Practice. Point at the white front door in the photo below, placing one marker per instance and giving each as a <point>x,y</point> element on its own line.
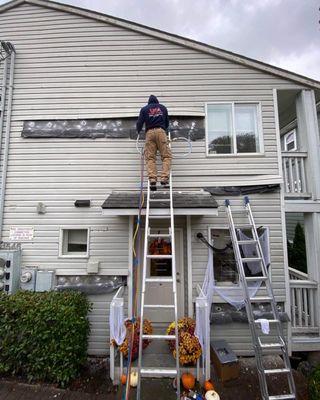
<point>161,293</point>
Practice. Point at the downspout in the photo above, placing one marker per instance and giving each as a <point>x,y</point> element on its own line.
<point>7,141</point>
<point>3,96</point>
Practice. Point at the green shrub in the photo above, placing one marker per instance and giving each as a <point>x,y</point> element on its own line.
<point>43,336</point>
<point>314,384</point>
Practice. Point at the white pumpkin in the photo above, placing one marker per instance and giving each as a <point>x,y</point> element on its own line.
<point>212,395</point>
<point>134,379</point>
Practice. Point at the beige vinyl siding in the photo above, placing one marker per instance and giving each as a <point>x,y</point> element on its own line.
<point>68,66</point>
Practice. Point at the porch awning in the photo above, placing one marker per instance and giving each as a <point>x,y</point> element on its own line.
<point>184,203</point>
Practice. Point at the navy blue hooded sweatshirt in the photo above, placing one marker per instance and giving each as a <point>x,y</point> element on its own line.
<point>153,115</point>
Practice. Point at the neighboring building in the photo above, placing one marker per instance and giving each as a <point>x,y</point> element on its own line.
<point>80,80</point>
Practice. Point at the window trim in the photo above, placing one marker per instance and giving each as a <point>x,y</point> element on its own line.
<point>260,129</point>
<point>225,227</point>
<point>73,227</point>
<point>285,148</point>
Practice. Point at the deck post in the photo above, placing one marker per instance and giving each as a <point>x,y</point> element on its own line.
<point>308,129</point>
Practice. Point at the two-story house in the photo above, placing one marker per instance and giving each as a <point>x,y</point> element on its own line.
<point>74,89</point>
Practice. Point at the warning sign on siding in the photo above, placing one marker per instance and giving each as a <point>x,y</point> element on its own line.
<point>21,233</point>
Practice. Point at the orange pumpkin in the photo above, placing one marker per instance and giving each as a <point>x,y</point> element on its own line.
<point>208,385</point>
<point>123,379</point>
<point>188,381</point>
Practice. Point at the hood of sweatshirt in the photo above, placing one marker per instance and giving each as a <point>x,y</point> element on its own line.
<point>153,100</point>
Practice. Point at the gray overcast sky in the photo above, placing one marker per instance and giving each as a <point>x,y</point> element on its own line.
<point>285,33</point>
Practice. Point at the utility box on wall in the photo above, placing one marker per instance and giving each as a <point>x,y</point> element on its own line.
<point>10,258</point>
<point>45,281</point>
<point>28,278</point>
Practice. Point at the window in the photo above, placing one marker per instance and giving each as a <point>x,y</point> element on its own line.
<point>225,267</point>
<point>74,242</point>
<point>233,128</point>
<point>290,141</point>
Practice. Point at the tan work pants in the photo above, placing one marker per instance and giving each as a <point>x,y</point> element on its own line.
<point>156,139</point>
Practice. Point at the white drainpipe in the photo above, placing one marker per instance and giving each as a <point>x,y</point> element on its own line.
<point>3,96</point>
<point>7,139</point>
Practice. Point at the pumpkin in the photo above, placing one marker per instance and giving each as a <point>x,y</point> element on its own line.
<point>212,395</point>
<point>188,381</point>
<point>134,378</point>
<point>208,385</point>
<point>123,379</point>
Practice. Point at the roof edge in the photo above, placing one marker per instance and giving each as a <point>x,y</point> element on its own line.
<point>190,43</point>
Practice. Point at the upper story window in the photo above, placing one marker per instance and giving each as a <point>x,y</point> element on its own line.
<point>233,128</point>
<point>290,141</point>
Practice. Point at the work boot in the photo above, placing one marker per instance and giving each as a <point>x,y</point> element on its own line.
<point>164,182</point>
<point>153,185</point>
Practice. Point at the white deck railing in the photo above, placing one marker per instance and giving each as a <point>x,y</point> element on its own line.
<point>294,175</point>
<point>304,294</point>
<point>117,301</point>
<point>203,318</point>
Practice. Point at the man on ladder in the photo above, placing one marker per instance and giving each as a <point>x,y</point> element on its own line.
<point>155,117</point>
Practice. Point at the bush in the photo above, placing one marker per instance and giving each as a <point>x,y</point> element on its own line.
<point>314,384</point>
<point>43,336</point>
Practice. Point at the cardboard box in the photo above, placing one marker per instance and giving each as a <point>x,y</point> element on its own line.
<point>225,361</point>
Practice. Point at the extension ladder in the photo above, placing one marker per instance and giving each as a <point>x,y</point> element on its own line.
<point>156,371</point>
<point>258,344</point>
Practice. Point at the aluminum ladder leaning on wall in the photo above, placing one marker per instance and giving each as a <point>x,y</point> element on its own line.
<point>259,345</point>
<point>156,371</point>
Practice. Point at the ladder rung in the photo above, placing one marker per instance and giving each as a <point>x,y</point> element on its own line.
<point>158,306</point>
<point>159,200</point>
<point>271,321</point>
<point>283,396</point>
<point>277,371</point>
<point>250,241</point>
<point>159,235</point>
<point>167,372</point>
<point>256,278</point>
<point>251,259</point>
<point>260,299</point>
<point>159,256</point>
<point>164,337</point>
<point>277,345</point>
<point>159,216</point>
<point>244,226</point>
<point>160,280</point>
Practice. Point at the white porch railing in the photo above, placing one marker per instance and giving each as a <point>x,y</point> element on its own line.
<point>203,318</point>
<point>117,301</point>
<point>303,292</point>
<point>293,166</point>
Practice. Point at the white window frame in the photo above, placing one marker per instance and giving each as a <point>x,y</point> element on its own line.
<point>233,138</point>
<point>73,255</point>
<point>294,132</point>
<point>225,227</point>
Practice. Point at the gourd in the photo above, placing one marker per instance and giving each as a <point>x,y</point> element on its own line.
<point>134,378</point>
<point>188,381</point>
<point>208,385</point>
<point>212,395</point>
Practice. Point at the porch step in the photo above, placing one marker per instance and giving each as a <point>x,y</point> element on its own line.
<point>282,397</point>
<point>160,280</point>
<point>159,256</point>
<point>161,337</point>
<point>277,371</point>
<point>165,372</point>
<point>159,306</point>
